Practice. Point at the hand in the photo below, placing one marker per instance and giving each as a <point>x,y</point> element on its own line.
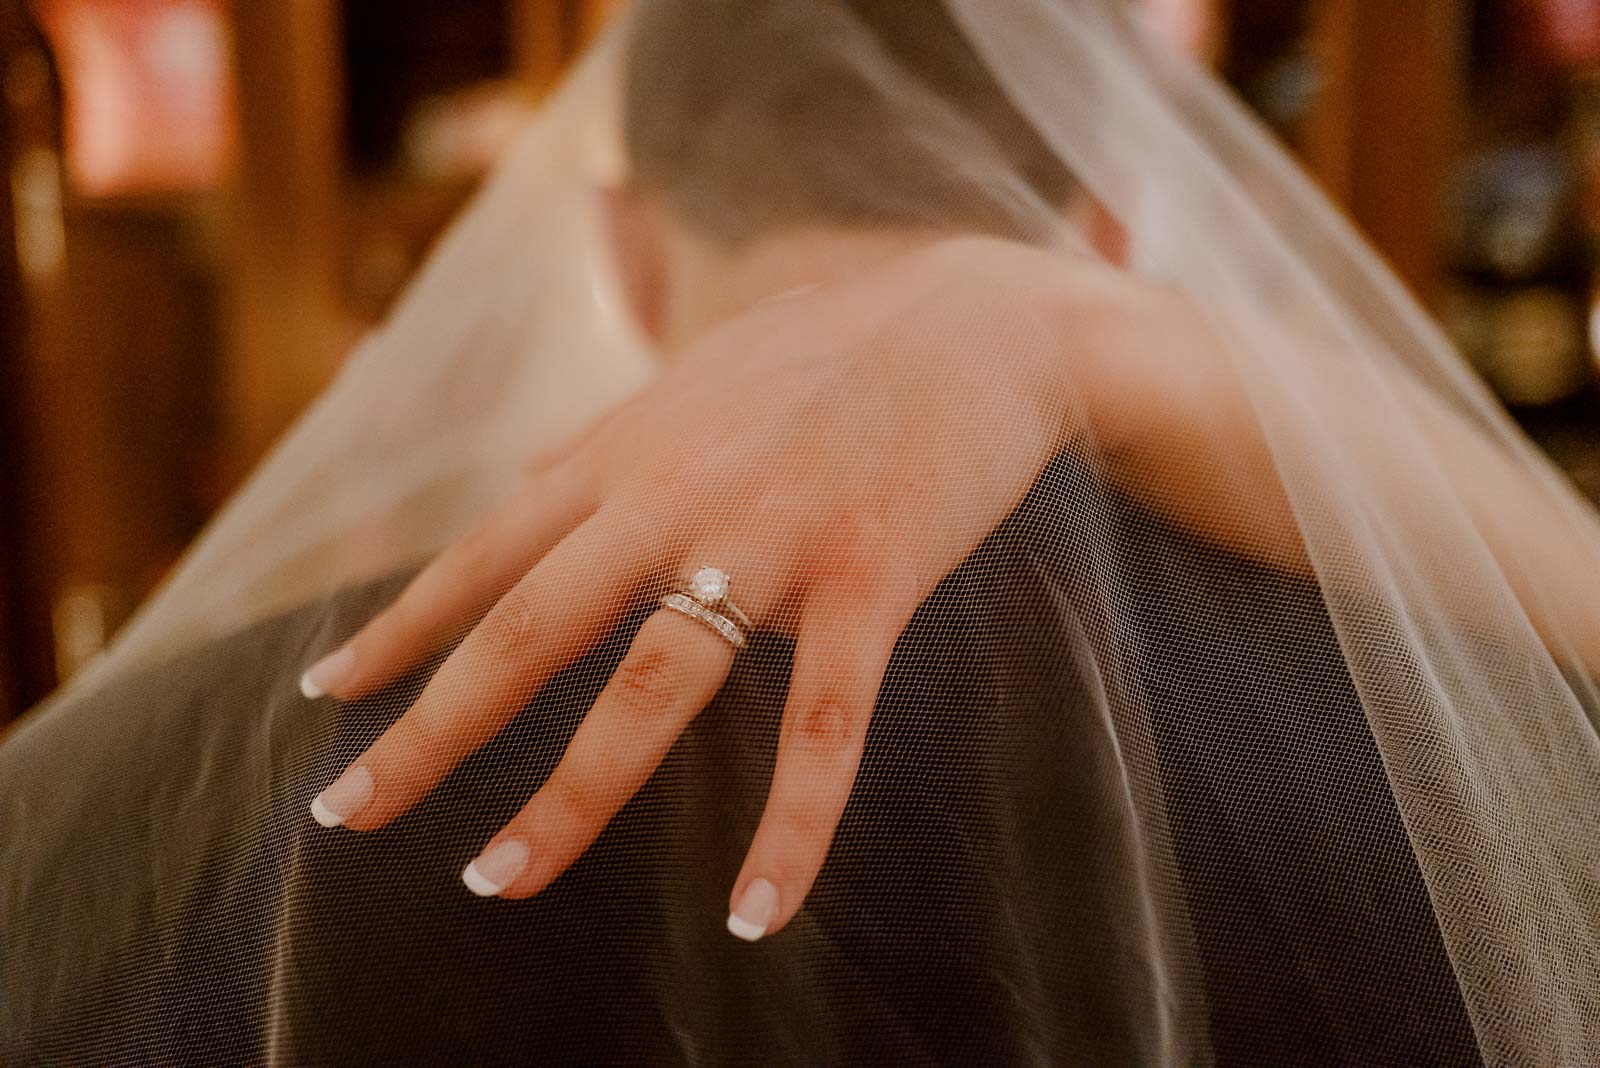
<point>837,454</point>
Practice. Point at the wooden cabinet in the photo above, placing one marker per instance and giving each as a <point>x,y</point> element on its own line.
<point>1387,124</point>
<point>176,335</point>
<point>314,212</point>
<point>180,334</point>
<point>32,306</point>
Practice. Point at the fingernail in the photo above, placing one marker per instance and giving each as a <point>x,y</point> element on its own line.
<point>753,914</point>
<point>495,867</point>
<point>343,798</point>
<point>327,673</point>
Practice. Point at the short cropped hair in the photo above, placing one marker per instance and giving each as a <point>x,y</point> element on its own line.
<point>750,116</point>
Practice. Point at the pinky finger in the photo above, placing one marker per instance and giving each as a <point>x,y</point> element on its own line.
<point>839,662</point>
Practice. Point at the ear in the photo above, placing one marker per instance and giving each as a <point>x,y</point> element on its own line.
<point>633,229</point>
<point>1107,235</point>
<point>1101,230</point>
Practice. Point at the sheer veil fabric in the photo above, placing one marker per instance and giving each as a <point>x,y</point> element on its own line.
<point>1300,767</point>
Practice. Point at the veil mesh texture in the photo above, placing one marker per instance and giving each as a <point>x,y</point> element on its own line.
<point>1258,728</point>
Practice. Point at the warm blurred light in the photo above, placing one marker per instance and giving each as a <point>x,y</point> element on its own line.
<point>461,134</point>
<point>79,621</point>
<point>1189,24</point>
<point>1571,29</point>
<point>36,199</point>
<point>149,93</point>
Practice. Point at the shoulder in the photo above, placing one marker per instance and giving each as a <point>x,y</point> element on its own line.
<point>1084,299</point>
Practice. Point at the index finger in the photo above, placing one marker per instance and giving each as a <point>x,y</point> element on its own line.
<point>672,671</point>
<point>559,610</point>
<point>454,587</point>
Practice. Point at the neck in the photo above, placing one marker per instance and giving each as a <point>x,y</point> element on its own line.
<point>710,285</point>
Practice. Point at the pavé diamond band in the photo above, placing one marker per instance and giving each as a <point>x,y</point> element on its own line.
<point>705,599</point>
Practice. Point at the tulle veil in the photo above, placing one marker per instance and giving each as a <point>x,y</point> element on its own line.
<point>1468,658</point>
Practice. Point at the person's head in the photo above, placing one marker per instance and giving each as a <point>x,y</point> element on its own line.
<point>749,119</point>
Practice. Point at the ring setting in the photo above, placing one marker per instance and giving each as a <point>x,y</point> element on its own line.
<point>704,598</point>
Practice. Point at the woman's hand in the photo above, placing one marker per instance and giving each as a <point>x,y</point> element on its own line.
<point>837,454</point>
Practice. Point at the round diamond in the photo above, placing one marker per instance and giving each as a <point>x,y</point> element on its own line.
<point>709,585</point>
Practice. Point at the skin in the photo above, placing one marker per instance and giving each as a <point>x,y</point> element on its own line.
<point>860,453</point>
<point>838,523</point>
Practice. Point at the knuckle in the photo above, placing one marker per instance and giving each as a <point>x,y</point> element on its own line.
<point>808,830</point>
<point>398,616</point>
<point>546,460</point>
<point>574,804</point>
<point>475,554</point>
<point>417,735</point>
<point>404,760</point>
<point>649,681</point>
<point>853,533</point>
<point>825,726</point>
<point>860,550</point>
<point>863,569</point>
<point>511,628</point>
<point>667,478</point>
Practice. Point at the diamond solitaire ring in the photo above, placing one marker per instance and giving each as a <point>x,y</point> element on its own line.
<point>705,598</point>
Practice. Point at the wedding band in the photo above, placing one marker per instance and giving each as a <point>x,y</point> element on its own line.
<point>695,610</point>
<point>704,598</point>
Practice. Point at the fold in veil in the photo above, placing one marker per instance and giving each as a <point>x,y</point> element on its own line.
<point>1130,795</point>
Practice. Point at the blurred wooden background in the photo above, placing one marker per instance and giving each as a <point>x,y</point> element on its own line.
<point>166,316</point>
<point>173,295</point>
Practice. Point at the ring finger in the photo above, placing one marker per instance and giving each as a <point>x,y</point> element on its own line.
<point>673,669</point>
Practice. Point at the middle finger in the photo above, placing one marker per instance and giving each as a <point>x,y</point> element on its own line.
<point>555,614</point>
<point>673,669</point>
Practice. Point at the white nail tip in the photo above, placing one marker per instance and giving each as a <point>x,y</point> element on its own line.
<point>496,868</point>
<point>323,814</point>
<point>744,928</point>
<point>311,691</point>
<point>477,883</point>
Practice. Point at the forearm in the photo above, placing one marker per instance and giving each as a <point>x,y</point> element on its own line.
<point>1250,464</point>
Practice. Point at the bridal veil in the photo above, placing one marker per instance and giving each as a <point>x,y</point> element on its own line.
<point>1115,760</point>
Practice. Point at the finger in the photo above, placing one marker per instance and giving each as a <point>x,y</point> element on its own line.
<point>672,671</point>
<point>458,585</point>
<point>674,668</point>
<point>603,425</point>
<point>556,613</point>
<point>840,661</point>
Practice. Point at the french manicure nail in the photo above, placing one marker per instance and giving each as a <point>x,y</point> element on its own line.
<point>753,914</point>
<point>343,798</point>
<point>327,673</point>
<point>495,868</point>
